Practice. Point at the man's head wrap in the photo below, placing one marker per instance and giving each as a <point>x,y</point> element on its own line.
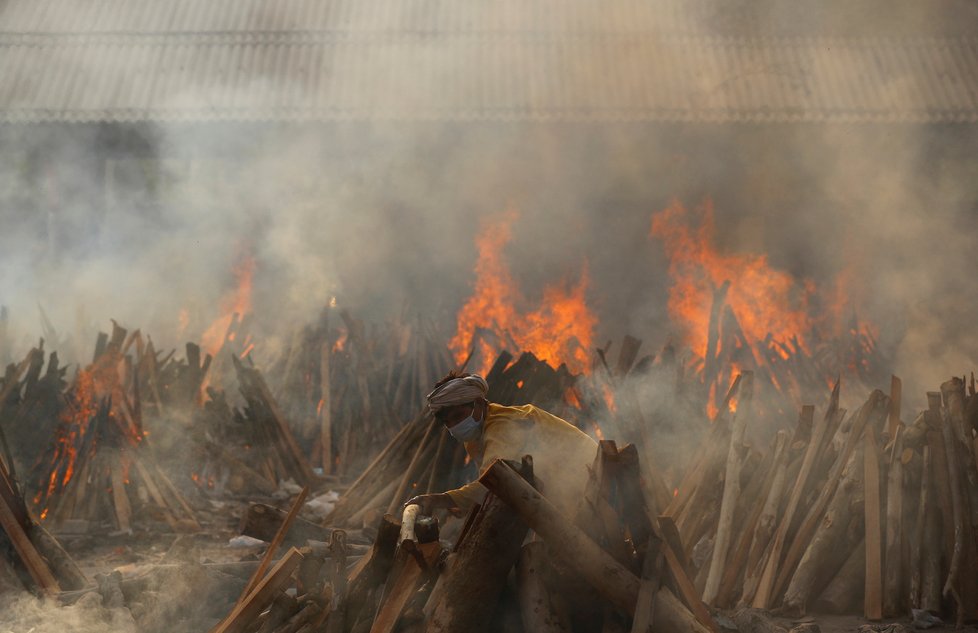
<point>457,391</point>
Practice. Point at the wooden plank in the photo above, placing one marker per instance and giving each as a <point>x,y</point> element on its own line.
<point>872,413</point>
<point>651,581</point>
<point>896,394</point>
<point>403,584</point>
<point>270,552</point>
<point>731,490</point>
<point>893,580</point>
<point>120,498</point>
<point>762,595</point>
<point>873,602</point>
<point>35,564</point>
<point>245,611</point>
<point>679,569</point>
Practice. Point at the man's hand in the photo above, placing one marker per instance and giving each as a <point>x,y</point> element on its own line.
<point>430,503</point>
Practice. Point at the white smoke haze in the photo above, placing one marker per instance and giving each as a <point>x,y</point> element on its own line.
<point>27,614</point>
<point>140,221</point>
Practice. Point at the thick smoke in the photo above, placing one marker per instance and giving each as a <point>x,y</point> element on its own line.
<point>139,222</point>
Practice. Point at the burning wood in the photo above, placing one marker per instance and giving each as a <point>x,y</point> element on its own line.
<point>100,445</point>
<point>39,562</point>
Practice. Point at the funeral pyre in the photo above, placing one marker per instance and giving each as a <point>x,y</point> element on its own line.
<point>761,466</point>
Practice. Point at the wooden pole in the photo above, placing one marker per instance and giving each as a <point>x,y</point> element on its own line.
<point>476,575</point>
<point>279,536</point>
<point>873,604</point>
<point>731,490</point>
<point>325,404</point>
<point>540,610</point>
<point>609,578</point>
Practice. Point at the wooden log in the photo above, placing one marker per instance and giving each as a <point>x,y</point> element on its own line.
<point>611,580</point>
<point>896,394</point>
<point>476,573</point>
<point>412,563</point>
<point>679,570</point>
<point>372,569</point>
<point>540,610</point>
<point>939,471</point>
<point>917,549</point>
<point>36,566</point>
<point>872,413</point>
<point>276,541</point>
<point>765,587</point>
<point>931,556</point>
<point>63,567</point>
<point>731,489</point>
<point>837,534</point>
<point>653,567</point>
<point>893,579</point>
<point>760,536</point>
<point>959,510</point>
<point>595,515</point>
<point>873,599</point>
<point>245,611</point>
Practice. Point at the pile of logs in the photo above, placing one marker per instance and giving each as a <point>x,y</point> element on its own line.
<point>850,509</point>
<point>348,386</point>
<point>99,444</point>
<point>786,373</point>
<point>615,565</point>
<point>32,559</point>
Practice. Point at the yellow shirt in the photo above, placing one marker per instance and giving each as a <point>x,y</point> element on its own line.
<point>561,454</point>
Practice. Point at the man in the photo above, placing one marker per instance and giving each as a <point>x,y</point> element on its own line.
<point>561,453</point>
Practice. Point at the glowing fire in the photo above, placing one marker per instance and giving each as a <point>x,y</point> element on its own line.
<point>340,343</point>
<point>763,299</point>
<point>559,331</point>
<point>236,302</point>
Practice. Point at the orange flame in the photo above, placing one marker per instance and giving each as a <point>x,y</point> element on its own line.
<point>765,300</point>
<point>236,301</point>
<point>340,343</point>
<point>559,331</point>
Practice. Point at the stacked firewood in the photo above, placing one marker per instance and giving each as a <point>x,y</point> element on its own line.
<point>99,443</point>
<point>349,386</point>
<point>786,372</point>
<point>615,562</point>
<point>32,559</point>
<point>249,450</point>
<point>851,507</point>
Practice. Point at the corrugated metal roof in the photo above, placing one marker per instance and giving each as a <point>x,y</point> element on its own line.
<point>127,60</point>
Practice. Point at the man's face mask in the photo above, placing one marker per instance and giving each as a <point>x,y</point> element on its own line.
<point>468,429</point>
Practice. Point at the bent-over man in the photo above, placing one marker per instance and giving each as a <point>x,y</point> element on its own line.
<point>561,452</point>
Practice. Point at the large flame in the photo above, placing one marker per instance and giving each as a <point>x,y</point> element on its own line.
<point>237,301</point>
<point>765,301</point>
<point>559,331</point>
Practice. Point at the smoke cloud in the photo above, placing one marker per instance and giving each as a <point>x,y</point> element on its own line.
<point>141,221</point>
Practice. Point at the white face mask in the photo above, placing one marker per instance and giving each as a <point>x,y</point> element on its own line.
<point>468,429</point>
